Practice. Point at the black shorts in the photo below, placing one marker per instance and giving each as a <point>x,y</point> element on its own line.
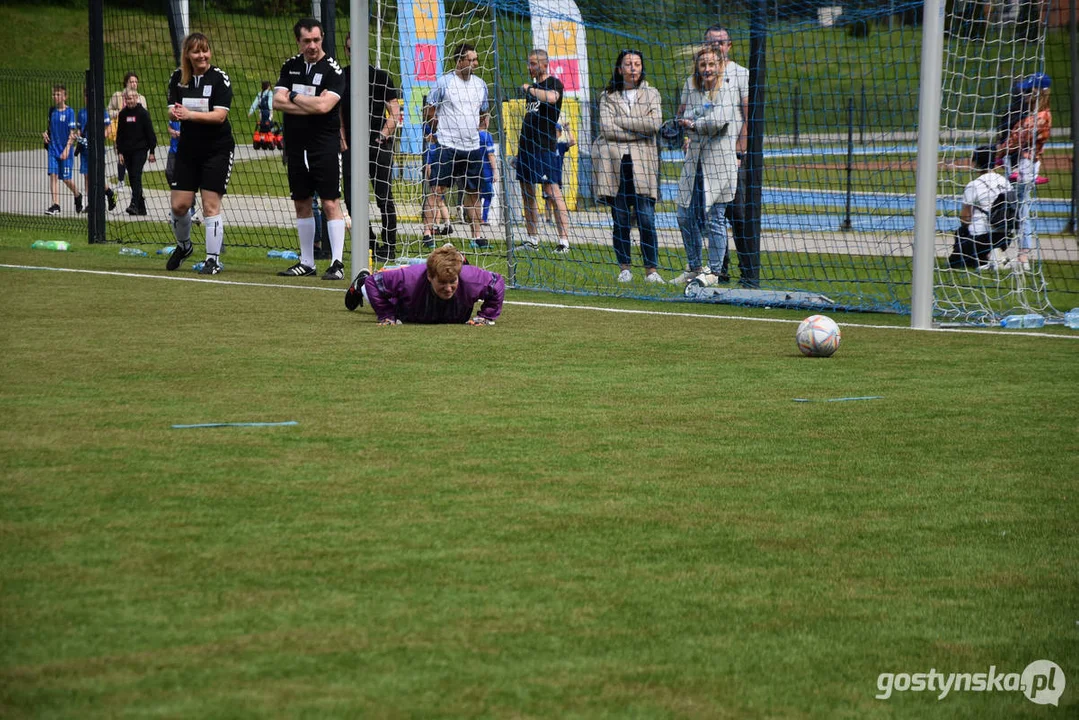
<point>311,172</point>
<point>452,166</point>
<point>206,172</point>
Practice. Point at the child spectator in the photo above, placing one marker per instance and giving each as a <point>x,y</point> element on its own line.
<point>84,160</point>
<point>564,141</point>
<point>263,102</point>
<point>974,238</point>
<point>60,141</point>
<point>489,174</point>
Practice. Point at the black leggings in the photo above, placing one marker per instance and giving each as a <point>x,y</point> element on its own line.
<point>134,161</point>
<point>381,170</point>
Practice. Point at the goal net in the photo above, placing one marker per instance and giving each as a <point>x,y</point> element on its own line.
<point>825,181</point>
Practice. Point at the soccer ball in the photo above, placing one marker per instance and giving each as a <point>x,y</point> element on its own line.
<point>818,336</point>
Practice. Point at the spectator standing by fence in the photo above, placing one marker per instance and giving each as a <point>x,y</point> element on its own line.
<point>736,76</point>
<point>135,143</point>
<point>1021,153</point>
<point>60,141</point>
<point>385,115</point>
<point>458,101</point>
<point>710,115</point>
<point>116,104</point>
<point>537,153</point>
<point>263,103</point>
<point>82,121</point>
<point>626,161</point>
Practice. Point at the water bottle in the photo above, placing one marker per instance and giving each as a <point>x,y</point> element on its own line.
<point>1071,318</point>
<point>133,252</point>
<point>1030,320</point>
<point>166,250</point>
<point>58,245</point>
<point>283,254</point>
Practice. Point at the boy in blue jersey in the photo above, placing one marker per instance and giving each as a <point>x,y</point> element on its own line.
<point>82,121</point>
<point>60,142</point>
<point>489,174</point>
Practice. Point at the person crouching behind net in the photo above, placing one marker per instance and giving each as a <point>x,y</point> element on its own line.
<point>444,290</point>
<point>974,237</point>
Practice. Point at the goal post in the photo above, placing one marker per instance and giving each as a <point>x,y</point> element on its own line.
<point>925,201</point>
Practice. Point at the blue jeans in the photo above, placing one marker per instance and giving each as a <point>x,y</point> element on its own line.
<point>1024,192</point>
<point>645,207</point>
<point>694,220</point>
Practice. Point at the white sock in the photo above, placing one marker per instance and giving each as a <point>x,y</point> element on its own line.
<point>306,228</point>
<point>181,229</point>
<point>215,236</point>
<point>336,230</point>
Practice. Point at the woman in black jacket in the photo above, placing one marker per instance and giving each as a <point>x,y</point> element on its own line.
<point>135,141</point>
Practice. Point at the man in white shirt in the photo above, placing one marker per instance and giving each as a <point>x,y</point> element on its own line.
<point>974,239</point>
<point>456,105</point>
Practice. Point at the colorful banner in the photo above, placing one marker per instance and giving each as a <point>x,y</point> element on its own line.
<point>422,40</point>
<point>558,28</point>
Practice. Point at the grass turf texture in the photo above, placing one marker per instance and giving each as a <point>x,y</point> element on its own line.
<point>636,520</point>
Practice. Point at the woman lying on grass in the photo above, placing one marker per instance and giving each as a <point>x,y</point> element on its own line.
<point>444,290</point>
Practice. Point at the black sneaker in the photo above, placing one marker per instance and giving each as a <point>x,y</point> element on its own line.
<point>111,197</point>
<point>428,241</point>
<point>210,267</point>
<point>53,210</point>
<point>336,271</point>
<point>384,254</point>
<point>297,270</point>
<point>479,244</point>
<point>446,229</point>
<point>78,204</point>
<point>354,294</point>
<point>131,210</point>
<point>179,254</point>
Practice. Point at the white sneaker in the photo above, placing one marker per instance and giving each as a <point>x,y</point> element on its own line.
<point>530,244</point>
<point>707,278</point>
<point>625,276</point>
<point>685,277</point>
<point>653,277</point>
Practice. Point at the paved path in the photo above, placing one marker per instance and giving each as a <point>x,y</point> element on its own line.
<point>24,190</point>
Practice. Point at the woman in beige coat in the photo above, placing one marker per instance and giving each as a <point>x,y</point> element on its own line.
<point>625,161</point>
<point>710,114</point>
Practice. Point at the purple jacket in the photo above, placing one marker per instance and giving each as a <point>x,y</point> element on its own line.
<point>405,294</point>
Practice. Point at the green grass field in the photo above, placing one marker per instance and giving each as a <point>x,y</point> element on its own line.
<point>575,513</point>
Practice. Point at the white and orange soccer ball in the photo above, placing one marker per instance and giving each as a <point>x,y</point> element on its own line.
<point>818,336</point>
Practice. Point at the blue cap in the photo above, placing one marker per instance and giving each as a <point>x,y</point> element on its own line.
<point>1037,81</point>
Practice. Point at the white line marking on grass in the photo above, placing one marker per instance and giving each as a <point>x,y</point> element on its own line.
<point>556,306</point>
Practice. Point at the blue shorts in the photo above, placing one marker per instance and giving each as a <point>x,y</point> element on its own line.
<point>61,168</point>
<point>541,166</point>
<point>452,166</point>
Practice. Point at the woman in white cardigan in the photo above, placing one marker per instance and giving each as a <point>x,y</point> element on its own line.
<point>625,161</point>
<point>709,113</point>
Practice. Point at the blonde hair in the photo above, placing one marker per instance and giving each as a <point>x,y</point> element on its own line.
<point>194,41</point>
<point>697,82</point>
<point>445,263</point>
<point>1043,100</point>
